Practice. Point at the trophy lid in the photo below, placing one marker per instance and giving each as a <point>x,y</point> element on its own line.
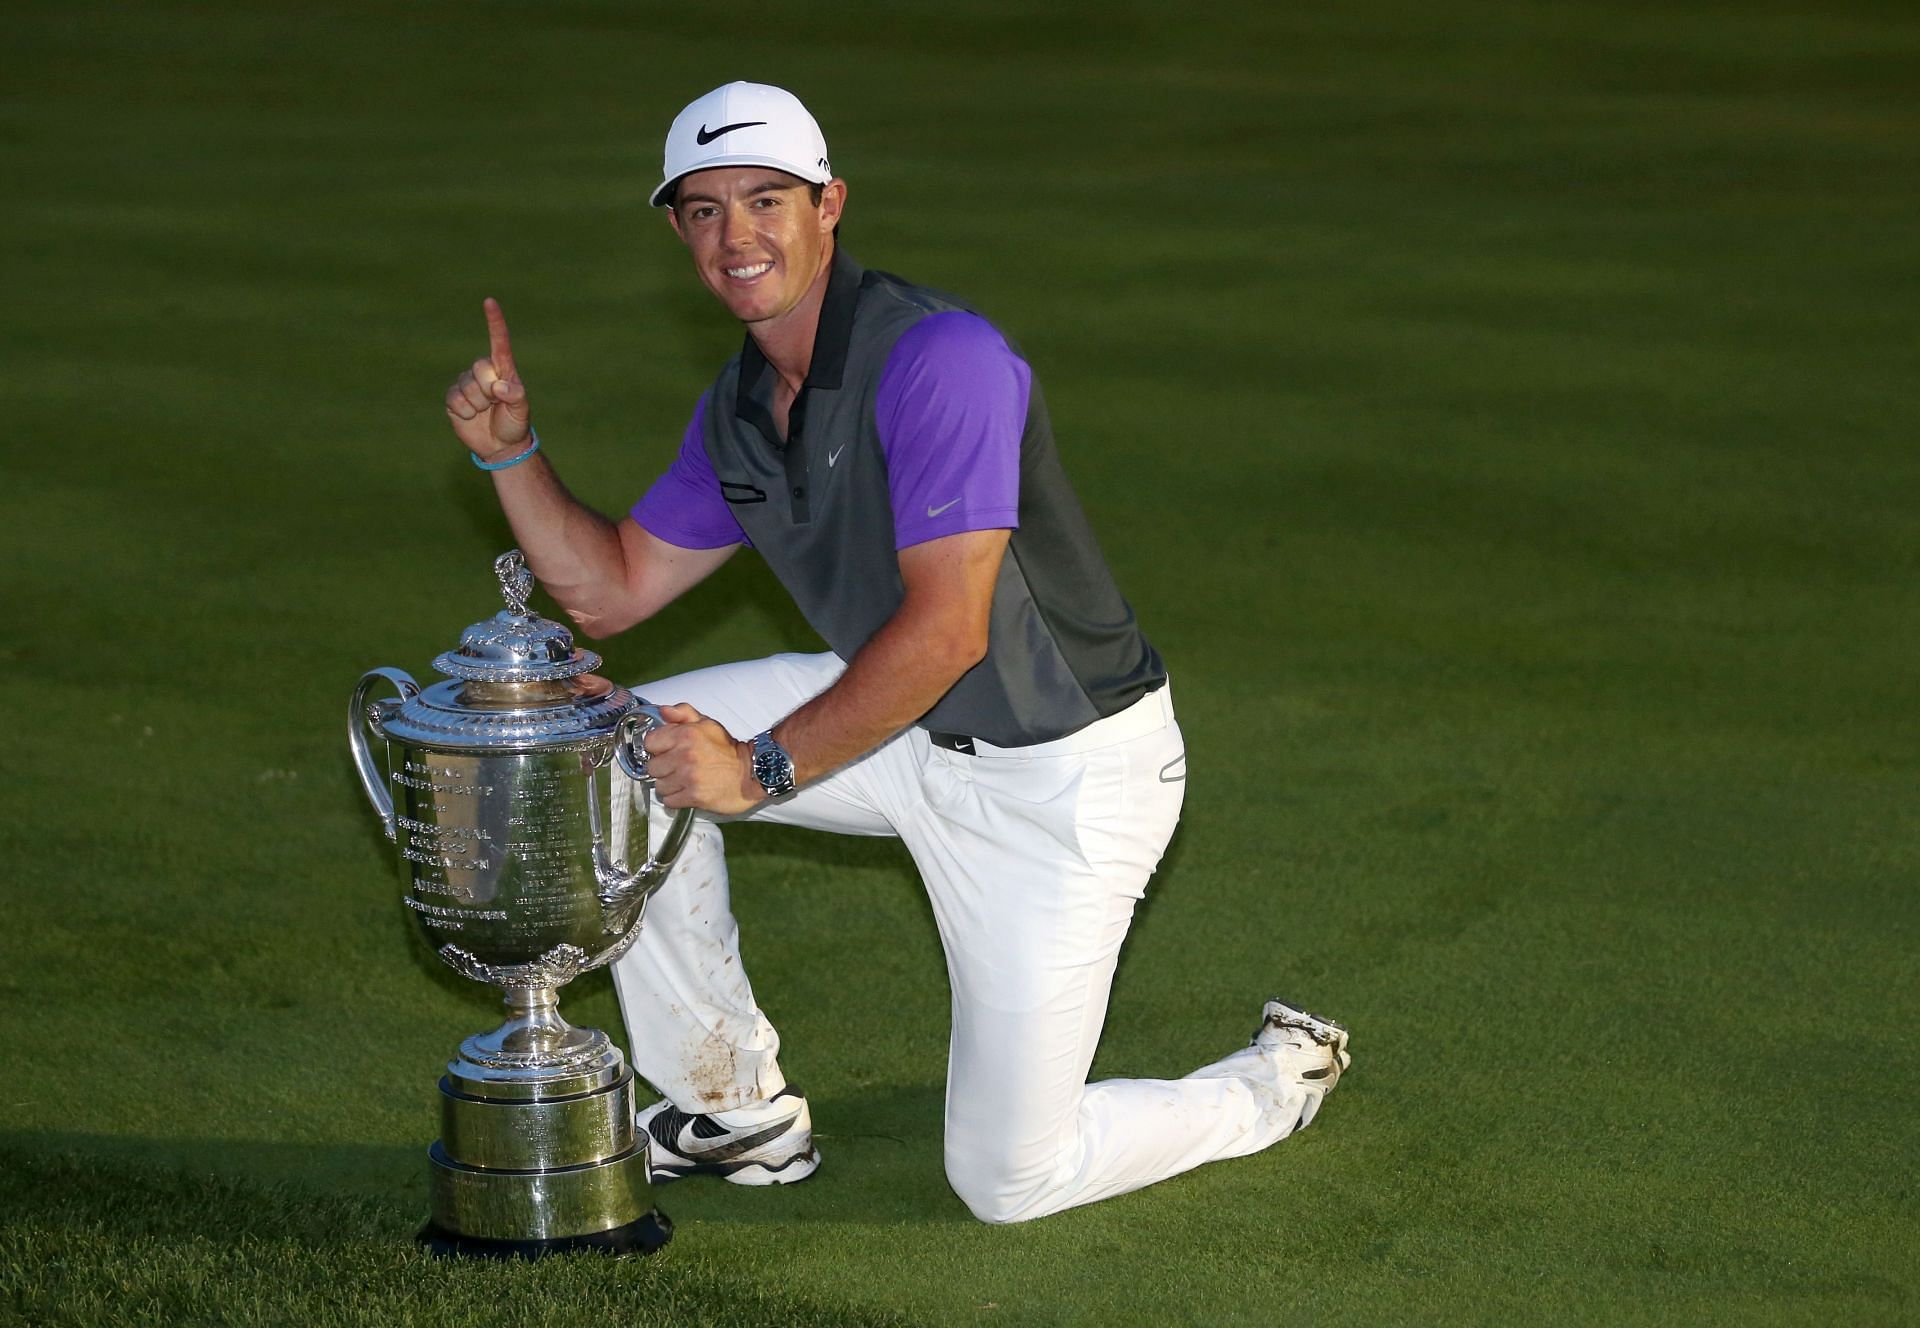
<point>516,645</point>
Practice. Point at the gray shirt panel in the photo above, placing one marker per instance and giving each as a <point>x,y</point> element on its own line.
<point>1064,648</point>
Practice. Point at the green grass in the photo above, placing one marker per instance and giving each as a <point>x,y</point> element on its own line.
<point>1500,415</point>
<point>193,1250</point>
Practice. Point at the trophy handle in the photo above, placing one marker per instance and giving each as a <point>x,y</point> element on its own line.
<point>360,718</point>
<point>618,885</point>
<point>629,749</point>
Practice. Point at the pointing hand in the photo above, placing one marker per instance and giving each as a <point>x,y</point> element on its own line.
<point>487,404</point>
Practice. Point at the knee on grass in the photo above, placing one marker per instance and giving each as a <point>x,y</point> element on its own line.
<point>996,1195</point>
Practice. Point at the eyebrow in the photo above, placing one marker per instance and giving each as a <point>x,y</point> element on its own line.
<point>765,187</point>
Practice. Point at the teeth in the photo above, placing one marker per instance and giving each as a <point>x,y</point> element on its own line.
<point>744,272</point>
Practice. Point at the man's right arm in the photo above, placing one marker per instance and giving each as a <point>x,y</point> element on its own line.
<point>606,575</point>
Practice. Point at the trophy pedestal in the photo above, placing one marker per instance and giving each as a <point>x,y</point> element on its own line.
<point>538,1151</point>
<point>642,1237</point>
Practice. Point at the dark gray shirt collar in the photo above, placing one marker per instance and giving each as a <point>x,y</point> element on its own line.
<point>754,399</point>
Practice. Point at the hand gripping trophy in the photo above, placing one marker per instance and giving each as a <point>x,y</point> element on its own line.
<point>508,791</point>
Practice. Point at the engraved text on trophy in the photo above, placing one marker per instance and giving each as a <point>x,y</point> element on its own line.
<point>498,847</point>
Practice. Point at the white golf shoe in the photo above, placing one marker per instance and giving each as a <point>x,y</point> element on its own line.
<point>1293,1061</point>
<point>1305,1047</point>
<point>767,1143</point>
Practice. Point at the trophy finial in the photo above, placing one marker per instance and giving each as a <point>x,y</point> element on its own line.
<point>515,644</point>
<point>516,582</point>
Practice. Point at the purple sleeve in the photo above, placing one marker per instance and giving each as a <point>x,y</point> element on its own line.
<point>684,506</point>
<point>952,406</point>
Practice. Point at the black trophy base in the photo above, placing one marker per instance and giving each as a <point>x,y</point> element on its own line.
<point>643,1235</point>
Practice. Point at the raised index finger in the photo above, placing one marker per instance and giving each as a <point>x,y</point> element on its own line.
<point>502,351</point>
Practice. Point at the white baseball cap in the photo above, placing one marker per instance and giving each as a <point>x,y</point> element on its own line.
<point>744,124</point>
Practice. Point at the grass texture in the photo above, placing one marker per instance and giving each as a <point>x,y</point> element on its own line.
<point>1500,415</point>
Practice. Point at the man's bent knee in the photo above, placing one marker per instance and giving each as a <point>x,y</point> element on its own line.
<point>997,1195</point>
<point>985,1203</point>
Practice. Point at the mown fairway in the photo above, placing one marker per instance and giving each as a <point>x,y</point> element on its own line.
<point>1502,416</point>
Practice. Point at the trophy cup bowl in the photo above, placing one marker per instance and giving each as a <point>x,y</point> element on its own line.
<point>515,792</point>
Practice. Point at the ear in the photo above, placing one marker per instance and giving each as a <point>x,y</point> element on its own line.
<point>833,202</point>
<point>673,219</point>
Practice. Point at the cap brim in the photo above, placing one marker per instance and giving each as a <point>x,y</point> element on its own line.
<point>663,196</point>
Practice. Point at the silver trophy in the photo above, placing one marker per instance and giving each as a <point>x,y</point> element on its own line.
<point>509,790</point>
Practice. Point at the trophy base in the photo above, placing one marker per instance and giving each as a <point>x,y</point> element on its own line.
<point>641,1236</point>
<point>644,1235</point>
<point>538,1149</point>
<point>543,1207</point>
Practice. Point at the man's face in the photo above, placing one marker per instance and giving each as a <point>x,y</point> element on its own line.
<point>757,238</point>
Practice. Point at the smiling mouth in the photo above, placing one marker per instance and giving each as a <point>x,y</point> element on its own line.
<point>749,273</point>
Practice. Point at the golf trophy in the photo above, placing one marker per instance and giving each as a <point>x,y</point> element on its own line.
<point>510,791</point>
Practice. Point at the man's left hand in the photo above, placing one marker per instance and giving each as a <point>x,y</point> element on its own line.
<point>696,763</point>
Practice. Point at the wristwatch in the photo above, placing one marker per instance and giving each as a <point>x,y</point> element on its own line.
<point>771,765</point>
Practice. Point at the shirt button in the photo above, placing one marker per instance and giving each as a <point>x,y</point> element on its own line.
<point>799,492</point>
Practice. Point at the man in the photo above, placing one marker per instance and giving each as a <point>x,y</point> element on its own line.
<point>989,699</point>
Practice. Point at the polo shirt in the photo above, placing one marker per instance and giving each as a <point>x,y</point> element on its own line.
<point>917,420</point>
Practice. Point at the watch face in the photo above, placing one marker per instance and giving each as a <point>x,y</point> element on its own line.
<point>774,769</point>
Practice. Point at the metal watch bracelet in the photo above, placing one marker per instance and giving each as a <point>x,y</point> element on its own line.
<point>772,766</point>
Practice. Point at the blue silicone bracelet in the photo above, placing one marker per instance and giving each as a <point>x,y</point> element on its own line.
<point>511,462</point>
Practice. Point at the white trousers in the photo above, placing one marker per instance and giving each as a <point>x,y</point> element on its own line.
<point>1033,859</point>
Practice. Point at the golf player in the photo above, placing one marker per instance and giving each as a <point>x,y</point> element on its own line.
<point>989,697</point>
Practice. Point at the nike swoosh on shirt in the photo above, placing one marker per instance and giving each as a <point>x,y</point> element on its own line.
<point>834,455</point>
<point>936,511</point>
<point>706,136</point>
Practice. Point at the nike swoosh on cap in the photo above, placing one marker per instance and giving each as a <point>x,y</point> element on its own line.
<point>706,135</point>
<point>936,511</point>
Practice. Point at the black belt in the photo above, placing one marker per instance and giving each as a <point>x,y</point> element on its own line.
<point>960,742</point>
